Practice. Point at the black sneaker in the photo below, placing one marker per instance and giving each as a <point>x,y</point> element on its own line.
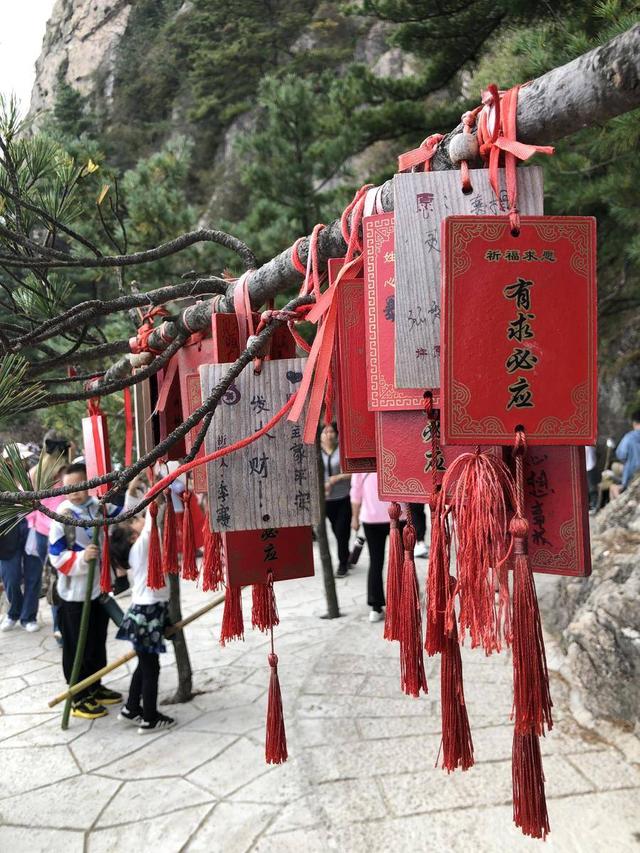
<point>160,723</point>
<point>105,696</point>
<point>88,709</point>
<point>130,716</point>
<point>341,571</point>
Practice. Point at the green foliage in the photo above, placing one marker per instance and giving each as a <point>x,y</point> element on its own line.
<point>15,390</point>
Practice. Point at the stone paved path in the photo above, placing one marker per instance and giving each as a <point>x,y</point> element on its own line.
<point>361,773</point>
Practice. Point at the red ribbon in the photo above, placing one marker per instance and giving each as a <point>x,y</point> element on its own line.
<point>419,159</point>
<point>128,428</point>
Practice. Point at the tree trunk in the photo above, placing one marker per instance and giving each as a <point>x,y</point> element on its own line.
<point>333,609</point>
<point>184,693</point>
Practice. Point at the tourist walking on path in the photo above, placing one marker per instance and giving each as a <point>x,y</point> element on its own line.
<point>336,491</point>
<point>368,510</point>
<point>144,625</point>
<point>22,557</point>
<point>628,451</point>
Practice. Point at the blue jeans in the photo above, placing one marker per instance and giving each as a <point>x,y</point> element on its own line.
<point>22,578</point>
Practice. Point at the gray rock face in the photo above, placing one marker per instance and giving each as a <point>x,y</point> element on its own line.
<point>598,620</point>
<point>80,41</point>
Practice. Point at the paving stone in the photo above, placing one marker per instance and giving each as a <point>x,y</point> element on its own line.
<point>12,724</point>
<point>29,700</point>
<point>348,800</point>
<point>399,727</point>
<point>71,804</point>
<point>50,674</point>
<point>278,786</point>
<point>606,770</point>
<point>150,798</point>
<point>300,813</point>
<point>359,760</point>
<point>234,696</point>
<point>9,686</point>
<point>165,834</point>
<point>236,766</point>
<point>230,721</point>
<point>26,769</point>
<point>361,706</point>
<point>25,839</point>
<point>318,731</point>
<point>175,753</point>
<point>332,684</point>
<point>46,731</point>
<point>314,840</point>
<point>21,668</point>
<point>231,828</point>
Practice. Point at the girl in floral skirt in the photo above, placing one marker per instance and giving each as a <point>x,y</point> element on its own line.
<point>144,625</point>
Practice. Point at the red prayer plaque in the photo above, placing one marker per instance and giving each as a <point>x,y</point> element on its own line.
<point>380,296</point>
<point>249,554</point>
<point>189,360</point>
<point>169,408</point>
<point>404,456</point>
<point>226,345</point>
<point>519,330</point>
<point>557,509</point>
<point>97,455</point>
<point>357,424</point>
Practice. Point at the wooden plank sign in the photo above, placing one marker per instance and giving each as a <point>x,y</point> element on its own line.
<point>519,330</point>
<point>421,201</point>
<point>250,554</point>
<point>190,358</point>
<point>383,395</point>
<point>557,509</point>
<point>404,456</point>
<point>272,482</point>
<point>357,425</point>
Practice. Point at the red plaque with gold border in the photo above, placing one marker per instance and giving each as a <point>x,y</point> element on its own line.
<point>190,358</point>
<point>379,255</point>
<point>519,330</point>
<point>405,458</point>
<point>557,509</point>
<point>357,424</point>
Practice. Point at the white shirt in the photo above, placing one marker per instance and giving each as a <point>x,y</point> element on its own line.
<point>138,567</point>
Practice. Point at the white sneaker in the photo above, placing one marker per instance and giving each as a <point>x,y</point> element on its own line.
<point>8,624</point>
<point>421,550</point>
<point>31,627</point>
<point>376,616</point>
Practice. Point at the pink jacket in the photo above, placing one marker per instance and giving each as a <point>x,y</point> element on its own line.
<point>39,520</point>
<point>364,491</point>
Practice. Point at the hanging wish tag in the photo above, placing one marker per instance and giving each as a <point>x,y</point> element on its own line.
<point>285,552</point>
<point>273,482</point>
<point>380,281</point>
<point>422,200</point>
<point>519,330</point>
<point>190,357</point>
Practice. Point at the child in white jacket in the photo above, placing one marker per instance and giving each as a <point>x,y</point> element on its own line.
<point>70,552</point>
<point>143,625</point>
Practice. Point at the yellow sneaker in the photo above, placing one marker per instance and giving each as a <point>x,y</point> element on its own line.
<point>88,709</point>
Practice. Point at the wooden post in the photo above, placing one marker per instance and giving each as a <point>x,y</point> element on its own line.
<point>333,609</point>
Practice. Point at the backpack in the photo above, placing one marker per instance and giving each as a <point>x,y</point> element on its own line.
<point>10,540</point>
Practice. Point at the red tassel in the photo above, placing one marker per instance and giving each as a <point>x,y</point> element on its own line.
<point>212,560</point>
<point>155,575</point>
<point>232,627</point>
<point>412,674</point>
<point>457,745</point>
<point>275,747</point>
<point>394,575</point>
<point>437,579</point>
<point>529,801</point>
<point>264,611</point>
<point>189,566</point>
<point>105,565</point>
<point>531,694</point>
<point>169,537</point>
<point>480,484</point>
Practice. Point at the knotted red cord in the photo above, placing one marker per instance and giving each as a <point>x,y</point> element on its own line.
<point>419,159</point>
<point>503,138</point>
<point>140,343</point>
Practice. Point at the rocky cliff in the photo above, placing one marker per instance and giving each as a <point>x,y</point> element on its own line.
<point>79,47</point>
<point>597,620</point>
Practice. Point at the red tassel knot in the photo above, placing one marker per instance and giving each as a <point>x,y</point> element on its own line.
<point>155,575</point>
<point>189,565</point>
<point>412,674</point>
<point>394,575</point>
<point>169,537</point>
<point>275,747</point>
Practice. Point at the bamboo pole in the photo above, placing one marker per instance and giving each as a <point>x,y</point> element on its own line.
<point>82,636</point>
<point>91,679</point>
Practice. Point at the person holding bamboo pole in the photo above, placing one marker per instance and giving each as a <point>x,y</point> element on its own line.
<point>71,551</point>
<point>144,625</point>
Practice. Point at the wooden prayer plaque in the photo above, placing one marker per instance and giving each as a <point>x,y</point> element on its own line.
<point>97,454</point>
<point>250,554</point>
<point>422,200</point>
<point>147,425</point>
<point>383,395</point>
<point>190,358</point>
<point>404,457</point>
<point>357,425</point>
<point>519,330</point>
<point>169,407</point>
<point>272,482</point>
<point>557,509</point>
